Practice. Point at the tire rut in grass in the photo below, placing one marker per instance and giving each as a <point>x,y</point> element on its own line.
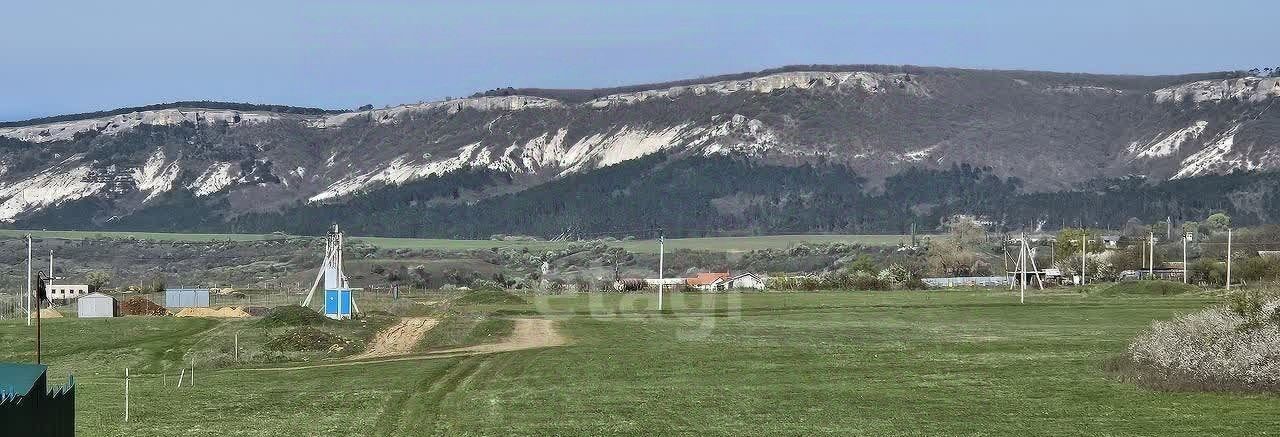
<point>423,407</point>
<point>396,409</point>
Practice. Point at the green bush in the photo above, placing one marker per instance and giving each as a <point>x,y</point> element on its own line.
<point>868,282</point>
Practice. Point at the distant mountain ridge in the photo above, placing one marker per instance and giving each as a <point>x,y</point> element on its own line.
<point>1049,131</point>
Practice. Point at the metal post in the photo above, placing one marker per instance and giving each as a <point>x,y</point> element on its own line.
<point>661,256</point>
<point>126,394</point>
<point>1228,259</point>
<point>28,279</point>
<point>38,329</point>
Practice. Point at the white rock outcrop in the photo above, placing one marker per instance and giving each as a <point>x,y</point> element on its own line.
<point>1253,89</point>
<point>66,130</point>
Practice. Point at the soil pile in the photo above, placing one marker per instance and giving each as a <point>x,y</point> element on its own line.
<point>49,313</point>
<point>140,306</point>
<point>399,339</point>
<point>306,338</point>
<point>226,312</point>
<point>293,315</point>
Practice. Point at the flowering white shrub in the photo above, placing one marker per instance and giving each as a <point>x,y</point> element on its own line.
<point>1234,345</point>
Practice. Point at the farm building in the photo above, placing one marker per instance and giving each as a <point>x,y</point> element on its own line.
<point>186,297</point>
<point>704,281</point>
<point>94,305</point>
<point>725,281</point>
<point>27,407</point>
<point>1111,241</point>
<point>741,280</point>
<point>67,291</point>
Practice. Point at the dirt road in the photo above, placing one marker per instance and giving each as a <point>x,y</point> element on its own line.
<point>398,339</point>
<point>528,334</point>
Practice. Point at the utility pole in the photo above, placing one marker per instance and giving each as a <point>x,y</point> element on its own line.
<point>1151,260</point>
<point>1022,266</point>
<point>1142,255</point>
<point>1084,250</point>
<point>1026,260</point>
<point>661,255</point>
<point>1228,259</point>
<point>1184,258</point>
<point>41,291</point>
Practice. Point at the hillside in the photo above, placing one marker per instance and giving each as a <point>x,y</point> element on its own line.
<point>832,137</point>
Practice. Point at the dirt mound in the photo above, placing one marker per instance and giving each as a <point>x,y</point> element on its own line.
<point>140,306</point>
<point>226,312</point>
<point>257,311</point>
<point>306,338</point>
<point>49,313</point>
<point>293,315</point>
<point>399,339</point>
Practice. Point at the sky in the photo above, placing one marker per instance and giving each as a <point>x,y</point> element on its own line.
<point>59,57</point>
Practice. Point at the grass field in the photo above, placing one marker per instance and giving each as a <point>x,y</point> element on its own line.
<point>727,244</point>
<point>845,363</point>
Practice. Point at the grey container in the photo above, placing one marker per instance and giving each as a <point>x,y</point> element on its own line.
<point>186,298</point>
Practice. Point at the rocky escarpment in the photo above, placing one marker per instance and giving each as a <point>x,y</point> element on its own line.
<point>1052,131</point>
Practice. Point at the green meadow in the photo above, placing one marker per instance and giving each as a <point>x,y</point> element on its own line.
<point>832,363</point>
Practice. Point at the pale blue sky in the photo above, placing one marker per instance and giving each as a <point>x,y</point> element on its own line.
<point>75,56</point>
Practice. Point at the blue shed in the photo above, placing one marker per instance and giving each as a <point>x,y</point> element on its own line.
<point>337,303</point>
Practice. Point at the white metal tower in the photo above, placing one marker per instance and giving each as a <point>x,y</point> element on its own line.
<point>1026,265</point>
<point>337,289</point>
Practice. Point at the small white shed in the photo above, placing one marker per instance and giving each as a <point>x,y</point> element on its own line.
<point>96,305</point>
<point>745,280</point>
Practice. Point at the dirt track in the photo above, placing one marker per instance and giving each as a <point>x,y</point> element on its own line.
<point>528,334</point>
<point>398,339</point>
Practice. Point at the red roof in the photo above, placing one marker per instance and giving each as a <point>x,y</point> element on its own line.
<point>706,278</point>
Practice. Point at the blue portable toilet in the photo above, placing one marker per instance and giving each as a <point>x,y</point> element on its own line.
<point>337,303</point>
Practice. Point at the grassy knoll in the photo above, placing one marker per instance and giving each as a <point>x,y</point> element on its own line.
<point>860,363</point>
<point>727,244</point>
